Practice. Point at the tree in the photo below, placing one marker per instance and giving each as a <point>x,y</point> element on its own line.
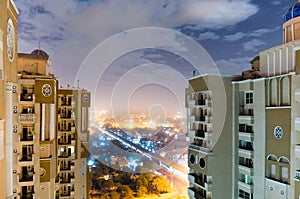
<point>142,184</point>
<point>115,195</point>
<point>125,178</point>
<point>107,184</point>
<point>160,185</point>
<point>141,190</point>
<point>125,192</point>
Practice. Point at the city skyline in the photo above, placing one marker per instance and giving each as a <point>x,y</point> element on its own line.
<point>144,78</point>
<point>71,31</point>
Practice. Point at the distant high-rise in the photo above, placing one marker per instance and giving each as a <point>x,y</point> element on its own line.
<point>260,142</point>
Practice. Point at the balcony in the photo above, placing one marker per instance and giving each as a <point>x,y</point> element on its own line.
<point>200,134</point>
<point>27,158</point>
<point>200,148</point>
<point>297,151</point>
<point>191,179</point>
<point>65,168</point>
<point>66,141</point>
<point>191,118</point>
<point>246,187</point>
<point>66,180</point>
<point>247,119</point>
<point>27,196</point>
<point>191,193</point>
<point>208,102</point>
<point>208,119</point>
<point>65,193</point>
<point>26,137</point>
<point>192,103</point>
<point>246,169</point>
<point>297,124</point>
<point>64,155</point>
<point>246,153</point>
<point>27,96</point>
<point>27,177</point>
<point>28,117</point>
<point>297,176</point>
<point>246,136</point>
<point>203,185</point>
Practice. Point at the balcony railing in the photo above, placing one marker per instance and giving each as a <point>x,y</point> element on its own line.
<point>297,175</point>
<point>208,119</point>
<point>200,148</point>
<point>26,138</point>
<point>65,193</point>
<point>208,102</point>
<point>27,178</point>
<point>27,196</point>
<point>67,141</point>
<point>28,117</point>
<point>66,168</point>
<point>26,158</point>
<point>200,133</point>
<point>26,97</point>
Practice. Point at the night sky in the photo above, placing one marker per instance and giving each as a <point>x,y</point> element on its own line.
<point>229,33</point>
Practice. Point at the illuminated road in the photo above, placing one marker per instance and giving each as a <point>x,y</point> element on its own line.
<point>177,169</point>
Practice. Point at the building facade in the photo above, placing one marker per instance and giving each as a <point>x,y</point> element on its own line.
<point>264,134</point>
<point>8,78</point>
<point>72,139</point>
<point>36,144</point>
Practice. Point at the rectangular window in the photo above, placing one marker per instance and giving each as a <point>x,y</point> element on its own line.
<point>249,98</point>
<point>284,174</point>
<point>272,171</point>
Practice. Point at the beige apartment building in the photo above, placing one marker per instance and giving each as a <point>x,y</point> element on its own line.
<point>72,139</point>
<point>260,139</point>
<point>44,130</point>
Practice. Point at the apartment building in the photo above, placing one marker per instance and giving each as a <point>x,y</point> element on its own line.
<point>34,127</point>
<point>263,140</point>
<point>36,139</point>
<point>209,128</point>
<point>72,139</point>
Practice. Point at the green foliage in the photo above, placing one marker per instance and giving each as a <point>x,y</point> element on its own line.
<point>115,195</point>
<point>107,184</point>
<point>160,185</point>
<point>142,191</point>
<point>125,192</point>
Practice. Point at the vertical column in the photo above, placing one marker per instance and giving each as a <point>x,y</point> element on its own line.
<point>43,121</point>
<point>268,63</point>
<point>52,121</point>
<point>287,59</point>
<point>9,141</point>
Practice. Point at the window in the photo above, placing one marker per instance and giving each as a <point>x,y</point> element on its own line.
<point>284,174</point>
<point>249,98</point>
<point>272,171</point>
<point>245,145</point>
<point>245,195</point>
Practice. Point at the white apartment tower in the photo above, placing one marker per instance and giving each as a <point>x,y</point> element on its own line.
<point>260,142</point>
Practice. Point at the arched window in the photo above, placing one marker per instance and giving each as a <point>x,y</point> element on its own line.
<point>273,92</point>
<point>285,91</point>
<point>272,157</point>
<point>284,160</point>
